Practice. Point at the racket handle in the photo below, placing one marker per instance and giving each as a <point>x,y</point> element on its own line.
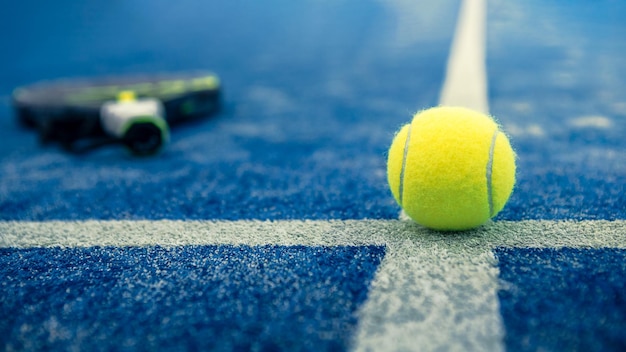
<point>138,123</point>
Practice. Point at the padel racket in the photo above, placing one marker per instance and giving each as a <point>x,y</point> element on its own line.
<point>137,110</point>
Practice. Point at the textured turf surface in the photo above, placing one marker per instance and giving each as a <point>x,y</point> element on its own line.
<point>183,298</point>
<point>575,297</point>
<point>314,92</point>
<point>429,292</point>
<point>312,129</point>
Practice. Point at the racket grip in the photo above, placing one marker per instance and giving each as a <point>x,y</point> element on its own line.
<point>140,124</point>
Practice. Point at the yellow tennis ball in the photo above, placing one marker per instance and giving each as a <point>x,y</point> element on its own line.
<point>451,168</point>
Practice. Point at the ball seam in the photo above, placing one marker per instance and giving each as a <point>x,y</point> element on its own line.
<point>404,159</point>
<point>489,172</point>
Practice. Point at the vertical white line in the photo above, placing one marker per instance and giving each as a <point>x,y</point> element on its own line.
<point>432,297</point>
<point>428,297</point>
<point>465,83</point>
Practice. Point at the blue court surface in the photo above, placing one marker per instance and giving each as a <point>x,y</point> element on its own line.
<point>270,226</point>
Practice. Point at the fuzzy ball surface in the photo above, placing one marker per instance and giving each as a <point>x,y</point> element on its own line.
<point>451,168</point>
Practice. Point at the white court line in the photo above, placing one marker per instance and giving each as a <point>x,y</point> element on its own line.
<point>465,83</point>
<point>432,291</point>
<point>433,297</point>
<point>526,233</point>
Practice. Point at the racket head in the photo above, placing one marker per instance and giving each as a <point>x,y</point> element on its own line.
<point>66,110</point>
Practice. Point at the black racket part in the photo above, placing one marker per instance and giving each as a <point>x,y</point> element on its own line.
<point>140,145</point>
<point>66,111</point>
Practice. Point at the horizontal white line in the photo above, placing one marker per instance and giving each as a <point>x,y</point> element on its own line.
<point>432,296</point>
<point>528,233</point>
<point>432,291</point>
